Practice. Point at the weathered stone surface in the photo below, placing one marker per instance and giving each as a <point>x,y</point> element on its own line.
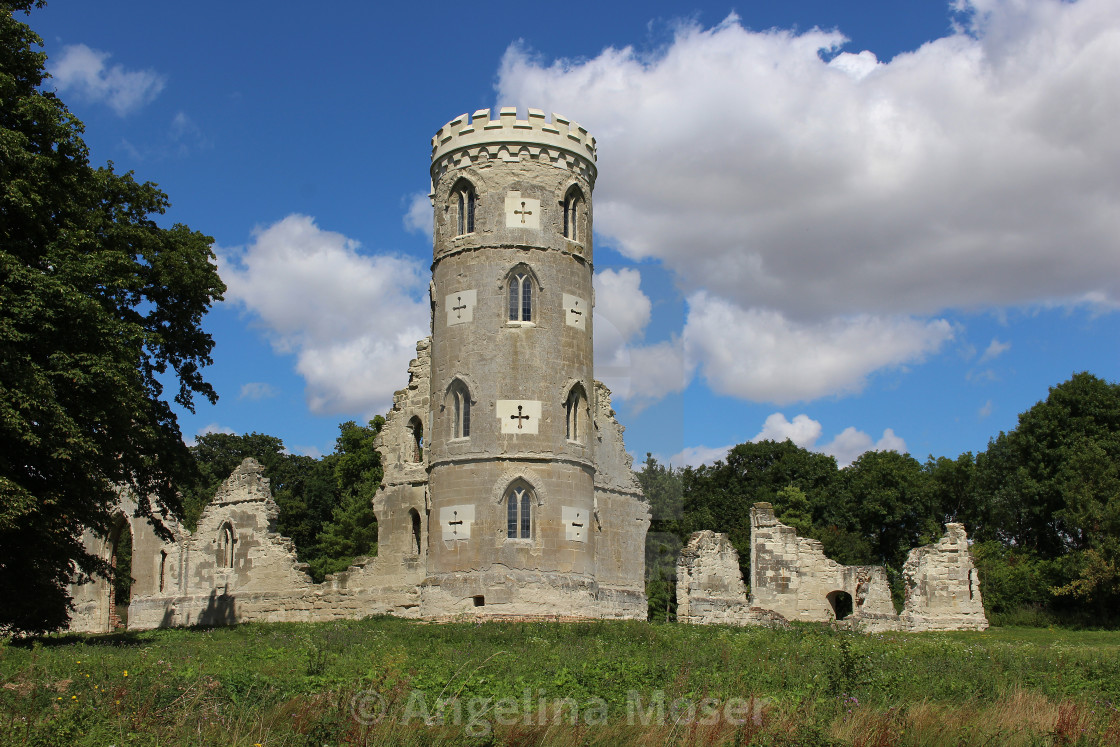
<point>942,587</point>
<point>507,488</point>
<point>792,576</point>
<point>792,579</point>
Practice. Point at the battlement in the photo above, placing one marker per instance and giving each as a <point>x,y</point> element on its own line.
<point>465,131</point>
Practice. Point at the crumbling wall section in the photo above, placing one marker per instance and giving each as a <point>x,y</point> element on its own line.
<point>942,588</point>
<point>621,518</point>
<point>792,576</point>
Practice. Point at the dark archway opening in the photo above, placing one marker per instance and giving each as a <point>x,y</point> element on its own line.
<point>120,590</point>
<point>841,603</point>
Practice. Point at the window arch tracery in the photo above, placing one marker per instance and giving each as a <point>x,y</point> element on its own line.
<point>519,507</point>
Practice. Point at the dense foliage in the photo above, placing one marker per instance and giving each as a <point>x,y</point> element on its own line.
<point>99,306</point>
<point>1042,503</point>
<point>326,505</point>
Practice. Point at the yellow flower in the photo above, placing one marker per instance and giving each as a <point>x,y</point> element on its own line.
<point>73,697</point>
<point>125,673</point>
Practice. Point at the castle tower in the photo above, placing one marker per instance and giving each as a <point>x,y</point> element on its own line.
<point>514,522</point>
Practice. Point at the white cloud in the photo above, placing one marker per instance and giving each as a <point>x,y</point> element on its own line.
<point>351,319</point>
<point>850,443</point>
<point>995,350</point>
<point>985,411</point>
<point>764,356</point>
<point>694,456</point>
<point>850,201</point>
<point>802,430</point>
<point>83,71</point>
<point>638,373</point>
<point>418,216</point>
<point>208,429</point>
<point>255,390</point>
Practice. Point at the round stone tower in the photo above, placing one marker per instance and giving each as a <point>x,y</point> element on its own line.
<point>510,442</point>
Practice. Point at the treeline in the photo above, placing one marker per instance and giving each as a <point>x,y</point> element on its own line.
<point>326,505</point>
<point>1041,503</point>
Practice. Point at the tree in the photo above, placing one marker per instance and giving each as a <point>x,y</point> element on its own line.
<point>1052,487</point>
<point>97,304</point>
<point>352,529</point>
<point>889,497</point>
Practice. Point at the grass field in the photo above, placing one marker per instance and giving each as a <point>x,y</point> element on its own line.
<point>389,681</point>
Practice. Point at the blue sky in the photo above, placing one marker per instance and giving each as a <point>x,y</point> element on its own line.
<point>854,224</point>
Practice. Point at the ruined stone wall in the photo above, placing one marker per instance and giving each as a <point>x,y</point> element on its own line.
<point>621,517</point>
<point>792,578</point>
<point>942,587</point>
<point>710,585</point>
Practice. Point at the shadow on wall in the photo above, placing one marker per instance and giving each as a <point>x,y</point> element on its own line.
<point>219,610</point>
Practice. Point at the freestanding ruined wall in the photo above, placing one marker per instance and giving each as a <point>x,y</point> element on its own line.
<point>792,579</point>
<point>942,586</point>
<point>792,576</point>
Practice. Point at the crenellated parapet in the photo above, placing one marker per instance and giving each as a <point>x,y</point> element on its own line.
<point>469,140</point>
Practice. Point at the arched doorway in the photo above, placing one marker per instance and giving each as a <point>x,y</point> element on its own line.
<point>841,603</point>
<point>120,586</point>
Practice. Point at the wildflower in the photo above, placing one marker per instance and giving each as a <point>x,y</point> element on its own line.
<point>125,673</point>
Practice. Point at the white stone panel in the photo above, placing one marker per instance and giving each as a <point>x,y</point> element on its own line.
<point>575,311</point>
<point>575,523</point>
<point>460,307</point>
<point>456,522</point>
<point>522,212</point>
<point>519,416</point>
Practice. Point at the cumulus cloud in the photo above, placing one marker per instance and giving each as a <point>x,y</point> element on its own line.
<point>83,71</point>
<point>694,456</point>
<point>351,319</point>
<point>854,198</point>
<point>636,372</point>
<point>763,355</point>
<point>851,442</point>
<point>255,390</point>
<point>208,429</point>
<point>418,214</point>
<point>803,431</point>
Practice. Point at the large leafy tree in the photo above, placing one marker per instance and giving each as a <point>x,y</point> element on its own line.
<point>1051,488</point>
<point>99,306</point>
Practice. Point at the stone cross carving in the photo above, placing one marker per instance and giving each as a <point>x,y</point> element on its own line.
<point>519,417</point>
<point>459,309</point>
<point>522,212</point>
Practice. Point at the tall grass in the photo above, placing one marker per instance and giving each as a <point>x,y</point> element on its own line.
<point>389,681</point>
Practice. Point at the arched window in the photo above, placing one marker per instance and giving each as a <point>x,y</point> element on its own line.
<point>519,512</point>
<point>415,516</point>
<point>520,296</point>
<point>572,206</point>
<point>575,414</point>
<point>459,408</point>
<point>463,194</point>
<point>416,445</point>
<point>226,541</point>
